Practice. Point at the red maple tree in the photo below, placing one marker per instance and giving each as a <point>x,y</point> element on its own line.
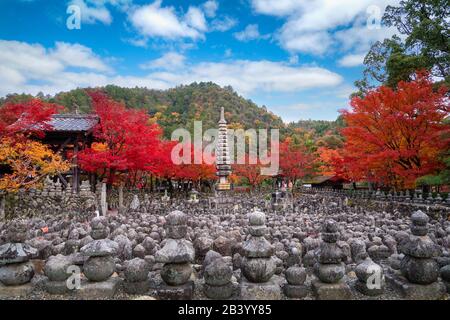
<point>26,118</point>
<point>250,171</point>
<point>296,162</point>
<point>395,136</point>
<point>195,172</point>
<point>128,142</point>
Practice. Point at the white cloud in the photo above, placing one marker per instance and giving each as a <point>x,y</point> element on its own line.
<point>168,23</point>
<point>276,7</point>
<point>344,91</point>
<point>92,14</point>
<point>155,21</point>
<point>314,42</point>
<point>223,24</point>
<point>352,60</point>
<point>32,68</point>
<point>210,7</point>
<point>169,61</point>
<point>137,42</point>
<point>316,26</point>
<point>250,76</point>
<point>360,38</point>
<point>76,55</point>
<point>251,32</point>
<point>30,61</point>
<point>293,59</point>
<point>96,10</point>
<point>196,19</point>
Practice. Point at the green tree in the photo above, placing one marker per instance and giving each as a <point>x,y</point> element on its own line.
<point>425,28</point>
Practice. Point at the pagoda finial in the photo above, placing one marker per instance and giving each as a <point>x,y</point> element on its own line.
<point>222,116</point>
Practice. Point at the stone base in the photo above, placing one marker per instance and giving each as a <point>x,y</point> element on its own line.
<point>270,290</point>
<point>331,291</point>
<point>182,292</point>
<point>98,290</point>
<point>447,286</point>
<point>295,291</point>
<point>218,292</point>
<point>15,291</point>
<point>223,186</point>
<point>413,291</point>
<point>136,287</point>
<point>362,287</point>
<point>55,287</point>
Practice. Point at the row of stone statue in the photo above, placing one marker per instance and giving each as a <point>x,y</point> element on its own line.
<point>418,278</point>
<point>401,196</point>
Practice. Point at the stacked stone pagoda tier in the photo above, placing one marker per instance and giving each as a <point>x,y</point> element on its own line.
<point>15,267</point>
<point>100,264</point>
<point>419,269</point>
<point>136,276</point>
<point>371,280</point>
<point>258,265</point>
<point>58,269</point>
<point>218,283</point>
<point>418,265</point>
<point>223,163</point>
<point>330,268</point>
<point>295,288</point>
<point>177,256</point>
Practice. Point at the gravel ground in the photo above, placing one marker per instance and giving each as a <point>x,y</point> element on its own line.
<point>39,294</point>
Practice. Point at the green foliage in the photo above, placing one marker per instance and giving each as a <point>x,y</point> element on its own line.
<point>320,127</point>
<point>316,133</point>
<point>425,44</point>
<point>442,178</point>
<point>181,106</point>
<point>15,98</point>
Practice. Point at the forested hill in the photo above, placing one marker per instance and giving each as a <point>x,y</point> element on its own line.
<point>320,127</point>
<point>179,106</point>
<point>182,105</point>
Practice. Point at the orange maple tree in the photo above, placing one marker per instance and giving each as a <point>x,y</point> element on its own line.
<point>25,161</point>
<point>28,162</point>
<point>331,162</point>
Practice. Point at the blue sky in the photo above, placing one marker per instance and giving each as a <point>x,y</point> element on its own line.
<point>297,57</point>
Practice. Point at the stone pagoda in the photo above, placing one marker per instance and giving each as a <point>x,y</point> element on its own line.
<point>419,271</point>
<point>223,163</point>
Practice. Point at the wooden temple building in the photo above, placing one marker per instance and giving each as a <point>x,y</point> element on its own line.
<point>333,182</point>
<point>68,134</point>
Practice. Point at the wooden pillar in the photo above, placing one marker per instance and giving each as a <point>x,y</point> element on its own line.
<point>121,197</point>
<point>2,207</point>
<point>75,172</point>
<point>103,204</point>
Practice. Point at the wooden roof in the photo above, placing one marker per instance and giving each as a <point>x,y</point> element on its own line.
<point>72,122</point>
<point>322,179</point>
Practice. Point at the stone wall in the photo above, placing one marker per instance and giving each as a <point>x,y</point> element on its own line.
<point>53,199</point>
